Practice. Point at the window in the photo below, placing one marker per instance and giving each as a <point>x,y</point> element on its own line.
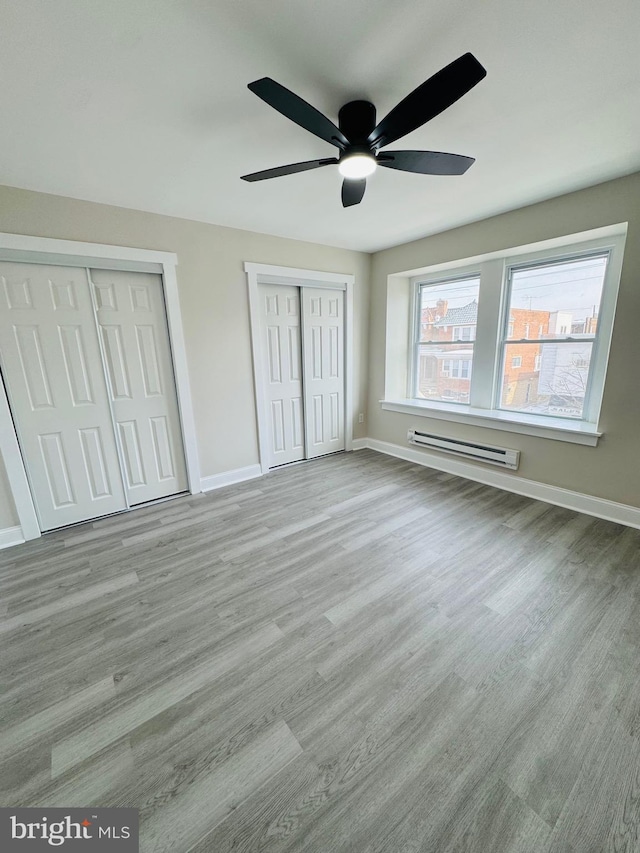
<point>447,314</point>
<point>428,368</point>
<point>517,342</point>
<point>458,368</point>
<point>568,294</point>
<point>463,333</point>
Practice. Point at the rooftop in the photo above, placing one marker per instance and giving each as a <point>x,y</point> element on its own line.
<point>465,315</point>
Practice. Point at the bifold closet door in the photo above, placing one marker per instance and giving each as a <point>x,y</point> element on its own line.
<point>52,369</point>
<point>132,320</point>
<point>323,370</point>
<point>283,372</point>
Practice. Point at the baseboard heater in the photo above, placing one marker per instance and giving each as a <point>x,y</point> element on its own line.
<point>501,456</point>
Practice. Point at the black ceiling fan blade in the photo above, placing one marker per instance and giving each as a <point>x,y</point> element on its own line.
<point>426,162</point>
<point>353,191</point>
<point>429,99</point>
<point>293,107</point>
<point>291,169</point>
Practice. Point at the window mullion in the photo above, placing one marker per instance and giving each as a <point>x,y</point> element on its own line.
<point>486,348</point>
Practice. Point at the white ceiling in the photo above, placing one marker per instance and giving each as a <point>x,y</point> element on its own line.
<point>143,104</point>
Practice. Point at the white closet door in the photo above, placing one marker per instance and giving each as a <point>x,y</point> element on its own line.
<point>323,353</point>
<point>283,370</point>
<point>53,372</point>
<point>131,315</point>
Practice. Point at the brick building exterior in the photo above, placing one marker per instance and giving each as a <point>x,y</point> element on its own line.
<point>523,361</point>
<point>444,373</point>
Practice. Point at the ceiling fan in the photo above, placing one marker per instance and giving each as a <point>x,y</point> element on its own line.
<point>360,139</point>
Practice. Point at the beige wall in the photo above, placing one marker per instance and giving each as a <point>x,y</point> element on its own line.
<point>213,299</point>
<point>612,469</point>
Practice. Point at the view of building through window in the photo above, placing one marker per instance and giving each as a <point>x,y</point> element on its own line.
<point>448,316</point>
<point>547,372</point>
<point>550,325</point>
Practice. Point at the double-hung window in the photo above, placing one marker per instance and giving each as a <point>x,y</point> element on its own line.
<point>563,300</point>
<point>446,317</point>
<point>520,338</point>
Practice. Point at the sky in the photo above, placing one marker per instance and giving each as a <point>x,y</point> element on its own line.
<point>572,286</point>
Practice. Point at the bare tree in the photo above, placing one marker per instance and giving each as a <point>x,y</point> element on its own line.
<point>569,383</point>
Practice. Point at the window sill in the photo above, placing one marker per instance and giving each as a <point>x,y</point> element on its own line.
<point>561,429</point>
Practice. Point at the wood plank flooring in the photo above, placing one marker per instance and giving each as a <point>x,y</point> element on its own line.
<point>353,655</point>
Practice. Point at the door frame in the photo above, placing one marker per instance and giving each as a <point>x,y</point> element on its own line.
<point>258,274</point>
<point>70,253</point>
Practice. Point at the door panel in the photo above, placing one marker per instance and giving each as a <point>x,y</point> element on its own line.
<point>53,372</point>
<point>73,350</point>
<point>131,316</point>
<point>323,370</point>
<point>282,358</point>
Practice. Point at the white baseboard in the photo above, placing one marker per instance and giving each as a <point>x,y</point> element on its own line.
<point>10,536</point>
<point>359,443</point>
<point>228,478</point>
<point>588,504</point>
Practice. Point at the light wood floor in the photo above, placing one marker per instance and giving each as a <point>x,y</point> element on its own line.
<point>354,654</point>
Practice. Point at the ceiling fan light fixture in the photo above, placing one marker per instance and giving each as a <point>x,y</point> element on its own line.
<point>357,166</point>
<point>358,136</point>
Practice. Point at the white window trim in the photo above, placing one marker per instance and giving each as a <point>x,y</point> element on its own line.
<point>482,409</point>
<point>45,250</point>
<point>562,429</point>
<point>595,387</point>
<point>416,319</point>
<point>462,338</point>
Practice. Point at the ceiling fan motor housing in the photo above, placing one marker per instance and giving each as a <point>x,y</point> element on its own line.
<point>356,120</point>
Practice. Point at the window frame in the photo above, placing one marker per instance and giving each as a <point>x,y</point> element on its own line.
<point>450,371</point>
<point>567,338</point>
<point>416,323</point>
<point>493,319</point>
<point>462,339</point>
